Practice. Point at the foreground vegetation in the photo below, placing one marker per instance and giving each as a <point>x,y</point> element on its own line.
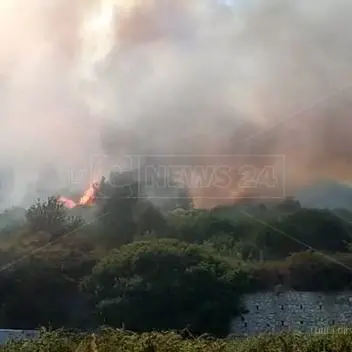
<point>128,263</point>
<point>109,340</point>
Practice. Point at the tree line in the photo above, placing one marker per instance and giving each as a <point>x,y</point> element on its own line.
<point>129,263</point>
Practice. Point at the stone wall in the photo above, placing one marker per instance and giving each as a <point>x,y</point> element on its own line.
<point>7,335</point>
<point>299,311</point>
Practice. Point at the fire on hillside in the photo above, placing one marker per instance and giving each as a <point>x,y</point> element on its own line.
<point>88,198</point>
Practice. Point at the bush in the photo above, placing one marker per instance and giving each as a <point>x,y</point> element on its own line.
<point>304,271</point>
<point>36,293</point>
<point>198,226</point>
<point>311,271</point>
<point>50,216</point>
<point>166,284</point>
<point>308,228</point>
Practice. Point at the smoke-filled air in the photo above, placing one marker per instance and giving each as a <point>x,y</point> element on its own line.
<point>81,78</point>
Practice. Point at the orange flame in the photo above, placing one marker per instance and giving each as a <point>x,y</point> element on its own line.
<point>88,197</point>
<point>68,203</point>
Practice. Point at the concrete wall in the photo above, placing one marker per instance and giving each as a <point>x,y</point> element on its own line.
<point>10,334</point>
<point>300,311</point>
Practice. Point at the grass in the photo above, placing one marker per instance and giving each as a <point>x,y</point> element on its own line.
<point>117,340</point>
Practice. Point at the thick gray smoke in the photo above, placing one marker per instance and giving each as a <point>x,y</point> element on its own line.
<point>174,77</point>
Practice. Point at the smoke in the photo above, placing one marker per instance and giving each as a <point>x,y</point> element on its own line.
<point>44,120</point>
<point>176,77</point>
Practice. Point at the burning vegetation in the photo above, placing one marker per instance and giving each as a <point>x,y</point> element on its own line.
<point>88,198</point>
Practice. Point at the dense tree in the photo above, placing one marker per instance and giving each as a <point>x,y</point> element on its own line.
<point>36,293</point>
<point>198,226</point>
<point>150,220</point>
<point>174,266</point>
<point>289,205</point>
<point>50,216</point>
<point>317,272</point>
<point>307,228</point>
<point>117,203</point>
<point>165,284</point>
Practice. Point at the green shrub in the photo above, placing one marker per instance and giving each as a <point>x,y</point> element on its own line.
<point>166,284</point>
<point>109,340</point>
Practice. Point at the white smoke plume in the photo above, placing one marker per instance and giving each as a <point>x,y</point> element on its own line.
<point>80,78</point>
